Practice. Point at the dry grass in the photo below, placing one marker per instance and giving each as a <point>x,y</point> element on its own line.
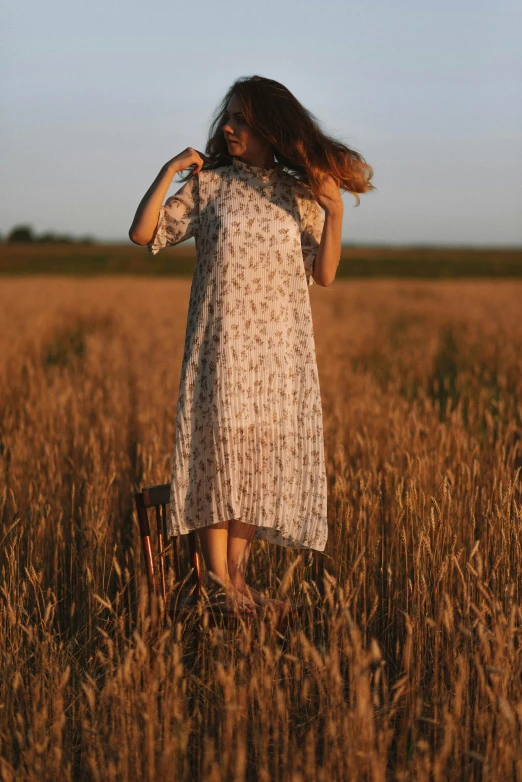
<point>411,667</point>
<point>356,260</point>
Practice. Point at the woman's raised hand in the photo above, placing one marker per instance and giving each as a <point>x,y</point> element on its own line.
<point>329,197</point>
<point>189,157</point>
<point>147,213</point>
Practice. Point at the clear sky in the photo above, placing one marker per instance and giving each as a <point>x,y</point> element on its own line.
<point>95,97</point>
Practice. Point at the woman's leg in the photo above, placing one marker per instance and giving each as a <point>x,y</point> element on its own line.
<point>214,544</point>
<point>213,541</point>
<point>240,537</point>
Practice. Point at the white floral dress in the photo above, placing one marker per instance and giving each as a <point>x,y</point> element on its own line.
<point>249,430</point>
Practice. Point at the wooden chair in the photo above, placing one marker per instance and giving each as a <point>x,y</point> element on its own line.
<point>158,565</point>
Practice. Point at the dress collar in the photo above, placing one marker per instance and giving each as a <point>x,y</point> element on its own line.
<point>257,171</point>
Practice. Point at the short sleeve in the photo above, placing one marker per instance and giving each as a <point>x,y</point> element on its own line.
<point>178,218</point>
<point>311,233</point>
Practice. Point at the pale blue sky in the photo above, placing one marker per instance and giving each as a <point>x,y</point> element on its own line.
<point>96,97</point>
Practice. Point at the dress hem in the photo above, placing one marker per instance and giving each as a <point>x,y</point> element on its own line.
<point>263,532</point>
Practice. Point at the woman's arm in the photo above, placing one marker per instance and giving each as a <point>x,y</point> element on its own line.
<point>147,213</point>
<point>146,217</point>
<point>329,252</point>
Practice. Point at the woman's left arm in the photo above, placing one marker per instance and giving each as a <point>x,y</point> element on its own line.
<point>329,252</point>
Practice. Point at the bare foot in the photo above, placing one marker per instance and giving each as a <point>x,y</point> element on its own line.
<point>231,598</point>
<point>258,598</point>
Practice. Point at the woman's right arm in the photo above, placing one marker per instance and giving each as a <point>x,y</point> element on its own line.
<point>147,213</point>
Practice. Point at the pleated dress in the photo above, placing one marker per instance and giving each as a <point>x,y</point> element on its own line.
<point>248,428</point>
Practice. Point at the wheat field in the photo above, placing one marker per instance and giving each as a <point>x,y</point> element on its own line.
<point>409,667</point>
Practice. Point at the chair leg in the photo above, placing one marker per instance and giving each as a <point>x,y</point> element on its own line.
<point>195,561</point>
<point>161,546</point>
<point>318,571</point>
<point>175,557</point>
<point>143,520</point>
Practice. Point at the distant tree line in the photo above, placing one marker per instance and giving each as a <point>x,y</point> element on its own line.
<point>24,233</point>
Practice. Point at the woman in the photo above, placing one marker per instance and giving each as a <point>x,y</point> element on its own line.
<point>249,452</point>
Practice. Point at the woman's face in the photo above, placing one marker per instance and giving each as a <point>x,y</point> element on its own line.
<point>241,140</point>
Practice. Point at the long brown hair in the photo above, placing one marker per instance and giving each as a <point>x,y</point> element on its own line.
<point>299,144</point>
